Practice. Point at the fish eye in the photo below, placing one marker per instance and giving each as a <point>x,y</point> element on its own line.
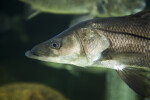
<point>55,44</point>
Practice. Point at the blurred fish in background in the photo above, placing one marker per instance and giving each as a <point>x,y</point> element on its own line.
<point>123,7</point>
<point>91,8</point>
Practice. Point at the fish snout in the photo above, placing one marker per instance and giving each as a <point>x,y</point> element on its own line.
<point>38,51</point>
<point>35,51</point>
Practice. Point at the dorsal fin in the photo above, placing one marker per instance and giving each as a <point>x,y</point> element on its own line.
<point>142,14</point>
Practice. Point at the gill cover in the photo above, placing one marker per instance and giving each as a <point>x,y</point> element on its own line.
<point>93,43</point>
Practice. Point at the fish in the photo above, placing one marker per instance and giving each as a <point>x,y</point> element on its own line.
<point>96,8</point>
<point>119,43</point>
<point>123,7</point>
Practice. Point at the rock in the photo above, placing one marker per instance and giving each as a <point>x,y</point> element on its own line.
<point>29,91</point>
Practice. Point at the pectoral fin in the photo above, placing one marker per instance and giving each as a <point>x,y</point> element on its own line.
<point>35,13</point>
<point>136,72</point>
<point>138,79</point>
<point>30,12</point>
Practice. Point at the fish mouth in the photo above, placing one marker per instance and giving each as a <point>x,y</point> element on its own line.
<point>29,54</point>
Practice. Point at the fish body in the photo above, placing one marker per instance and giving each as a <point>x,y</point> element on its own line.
<point>62,6</point>
<point>94,8</point>
<point>123,7</point>
<point>120,43</point>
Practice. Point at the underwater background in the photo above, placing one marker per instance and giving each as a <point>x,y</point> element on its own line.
<point>17,35</point>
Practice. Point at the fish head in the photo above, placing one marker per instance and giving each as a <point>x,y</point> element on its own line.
<point>79,45</point>
<point>64,48</point>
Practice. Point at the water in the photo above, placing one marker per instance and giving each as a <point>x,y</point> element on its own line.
<point>18,35</point>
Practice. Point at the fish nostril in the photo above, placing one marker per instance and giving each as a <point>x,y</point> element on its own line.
<point>34,52</point>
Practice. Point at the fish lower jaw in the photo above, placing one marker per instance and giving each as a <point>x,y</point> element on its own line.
<point>80,63</point>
